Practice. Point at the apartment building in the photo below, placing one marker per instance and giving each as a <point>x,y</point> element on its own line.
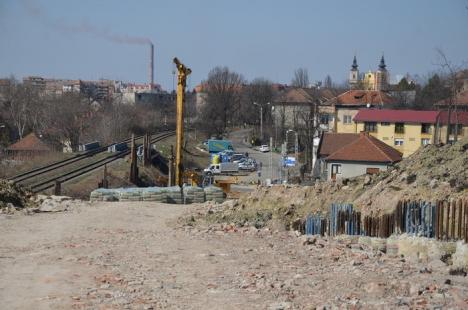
<point>408,130</point>
<point>348,104</point>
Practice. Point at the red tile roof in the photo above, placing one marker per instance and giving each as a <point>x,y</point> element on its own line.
<point>362,98</point>
<point>332,142</point>
<point>392,116</point>
<point>460,117</point>
<point>30,143</point>
<point>460,100</point>
<point>298,95</point>
<point>366,149</point>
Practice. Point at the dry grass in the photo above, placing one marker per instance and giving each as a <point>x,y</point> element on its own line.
<point>10,167</point>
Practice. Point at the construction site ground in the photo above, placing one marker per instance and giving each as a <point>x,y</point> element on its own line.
<point>140,256</point>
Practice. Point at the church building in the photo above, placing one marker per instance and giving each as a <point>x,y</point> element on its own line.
<point>371,80</point>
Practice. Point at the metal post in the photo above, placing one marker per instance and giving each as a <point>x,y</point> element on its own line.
<point>271,159</point>
<point>183,72</point>
<point>296,146</point>
<point>261,123</point>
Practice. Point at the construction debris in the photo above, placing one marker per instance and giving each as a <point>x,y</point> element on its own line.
<point>13,197</point>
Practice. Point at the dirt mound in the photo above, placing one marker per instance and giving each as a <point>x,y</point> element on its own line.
<point>433,172</point>
<point>13,197</point>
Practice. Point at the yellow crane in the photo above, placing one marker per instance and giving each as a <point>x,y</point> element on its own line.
<point>183,72</point>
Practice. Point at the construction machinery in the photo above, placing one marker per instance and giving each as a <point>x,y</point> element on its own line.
<point>183,72</point>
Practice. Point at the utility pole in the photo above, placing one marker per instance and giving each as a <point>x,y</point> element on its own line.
<point>271,159</point>
<point>133,162</point>
<point>183,72</point>
<point>171,167</point>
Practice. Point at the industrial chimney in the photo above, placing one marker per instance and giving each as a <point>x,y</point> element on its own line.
<point>151,67</point>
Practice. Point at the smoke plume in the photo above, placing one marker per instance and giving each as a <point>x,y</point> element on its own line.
<point>35,11</point>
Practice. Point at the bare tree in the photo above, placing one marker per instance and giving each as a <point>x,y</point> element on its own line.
<point>454,83</point>
<point>223,89</point>
<point>307,126</point>
<point>17,100</point>
<point>260,91</point>
<point>301,78</point>
<point>70,116</point>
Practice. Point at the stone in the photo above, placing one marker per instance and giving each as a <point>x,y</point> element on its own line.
<point>367,180</point>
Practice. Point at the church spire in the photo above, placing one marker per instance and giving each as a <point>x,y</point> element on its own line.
<point>382,65</point>
<point>355,65</point>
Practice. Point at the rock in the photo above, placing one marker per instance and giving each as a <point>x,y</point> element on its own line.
<point>280,306</point>
<point>433,183</point>
<point>367,180</point>
<point>307,240</point>
<point>411,178</point>
<point>52,206</point>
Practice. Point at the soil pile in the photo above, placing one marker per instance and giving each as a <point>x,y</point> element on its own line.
<point>433,172</point>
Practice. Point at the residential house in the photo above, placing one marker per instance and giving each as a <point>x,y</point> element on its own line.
<point>405,130</point>
<point>293,103</point>
<point>363,155</point>
<point>460,102</point>
<point>346,106</point>
<point>458,119</point>
<point>329,144</point>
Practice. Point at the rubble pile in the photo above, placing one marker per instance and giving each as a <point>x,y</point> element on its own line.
<point>432,173</point>
<point>13,197</point>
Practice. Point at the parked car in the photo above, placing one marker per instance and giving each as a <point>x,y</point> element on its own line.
<point>264,148</point>
<point>248,164</point>
<point>236,158</point>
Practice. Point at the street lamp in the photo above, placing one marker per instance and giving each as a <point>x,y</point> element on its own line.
<point>261,119</point>
<point>296,142</point>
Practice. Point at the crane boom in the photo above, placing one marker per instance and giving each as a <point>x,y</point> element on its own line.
<point>183,72</point>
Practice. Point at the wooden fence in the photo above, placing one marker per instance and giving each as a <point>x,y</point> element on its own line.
<point>443,220</point>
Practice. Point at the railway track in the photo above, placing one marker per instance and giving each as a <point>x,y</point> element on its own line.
<point>62,163</point>
<point>76,171</point>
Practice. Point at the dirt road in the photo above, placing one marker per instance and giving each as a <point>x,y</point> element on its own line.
<point>135,256</point>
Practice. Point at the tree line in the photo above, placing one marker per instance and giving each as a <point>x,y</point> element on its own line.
<point>72,118</point>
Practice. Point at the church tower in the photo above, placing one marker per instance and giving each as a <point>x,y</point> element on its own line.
<point>381,76</point>
<point>354,74</point>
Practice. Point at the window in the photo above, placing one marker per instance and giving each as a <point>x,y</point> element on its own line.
<point>372,170</point>
<point>347,119</point>
<point>399,142</point>
<point>324,119</point>
<point>425,128</point>
<point>385,124</point>
<point>336,169</point>
<point>370,126</point>
<point>425,141</point>
<point>452,129</point>
<point>399,127</point>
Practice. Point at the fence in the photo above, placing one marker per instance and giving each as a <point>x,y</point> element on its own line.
<point>443,220</point>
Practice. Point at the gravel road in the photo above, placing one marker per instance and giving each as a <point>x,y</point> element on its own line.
<point>136,256</point>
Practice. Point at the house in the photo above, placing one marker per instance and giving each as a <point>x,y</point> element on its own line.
<point>460,101</point>
<point>347,105</point>
<point>365,154</point>
<point>457,118</point>
<point>405,130</point>
<point>293,103</point>
<point>28,147</point>
<point>329,144</point>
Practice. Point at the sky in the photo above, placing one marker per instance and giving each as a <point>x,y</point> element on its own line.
<point>93,39</point>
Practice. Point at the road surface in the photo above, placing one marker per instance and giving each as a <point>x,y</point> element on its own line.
<point>267,171</point>
<point>137,256</point>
